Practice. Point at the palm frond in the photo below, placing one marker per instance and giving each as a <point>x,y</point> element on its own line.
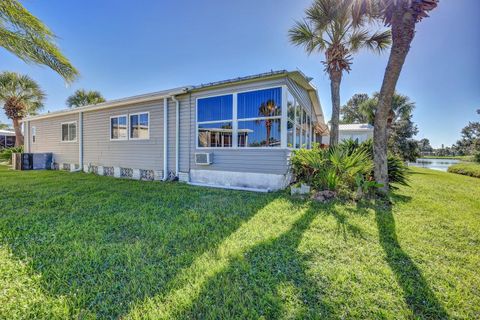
<point>379,41</point>
<point>29,39</point>
<point>302,34</point>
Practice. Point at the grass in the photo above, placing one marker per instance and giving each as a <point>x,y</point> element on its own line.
<point>463,158</point>
<point>74,245</point>
<point>471,169</point>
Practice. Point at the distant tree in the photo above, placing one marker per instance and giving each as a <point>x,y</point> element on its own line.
<point>28,38</point>
<point>329,27</point>
<point>400,139</point>
<point>21,96</point>
<point>4,126</point>
<point>84,98</point>
<point>424,145</point>
<point>470,141</point>
<point>351,112</point>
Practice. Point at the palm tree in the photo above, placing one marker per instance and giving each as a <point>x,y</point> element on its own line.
<point>84,98</point>
<point>402,16</point>
<point>28,38</point>
<point>268,109</point>
<point>329,27</point>
<point>4,126</point>
<point>401,108</point>
<point>21,96</point>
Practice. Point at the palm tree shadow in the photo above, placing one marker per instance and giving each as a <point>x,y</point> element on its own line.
<point>417,294</point>
<point>259,280</point>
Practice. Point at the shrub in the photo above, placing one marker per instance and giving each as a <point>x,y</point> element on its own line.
<point>466,168</point>
<point>476,157</point>
<point>6,154</point>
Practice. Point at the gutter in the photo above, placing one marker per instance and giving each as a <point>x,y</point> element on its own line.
<point>177,132</point>
<point>165,138</point>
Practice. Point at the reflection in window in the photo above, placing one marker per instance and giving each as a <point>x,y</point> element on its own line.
<point>118,128</point>
<point>290,107</point>
<point>259,133</point>
<point>290,130</point>
<point>215,135</point>
<point>215,108</point>
<point>139,126</point>
<point>260,103</point>
<point>298,134</point>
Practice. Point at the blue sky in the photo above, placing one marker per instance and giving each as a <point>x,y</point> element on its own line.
<point>124,48</point>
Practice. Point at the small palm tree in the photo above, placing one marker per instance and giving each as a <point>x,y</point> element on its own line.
<point>268,109</point>
<point>28,38</point>
<point>329,27</point>
<point>401,16</point>
<point>84,98</point>
<point>21,96</point>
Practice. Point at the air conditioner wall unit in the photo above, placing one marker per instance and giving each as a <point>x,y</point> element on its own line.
<point>203,158</point>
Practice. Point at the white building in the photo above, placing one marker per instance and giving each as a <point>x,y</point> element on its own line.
<point>354,131</point>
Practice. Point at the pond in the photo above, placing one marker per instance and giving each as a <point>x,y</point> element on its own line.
<point>435,164</point>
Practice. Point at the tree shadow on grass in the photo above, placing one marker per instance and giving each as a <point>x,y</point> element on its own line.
<point>271,280</point>
<point>417,293</point>
<point>105,244</point>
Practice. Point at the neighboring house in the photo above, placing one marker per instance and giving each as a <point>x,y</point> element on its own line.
<point>7,139</point>
<point>353,131</point>
<point>234,133</point>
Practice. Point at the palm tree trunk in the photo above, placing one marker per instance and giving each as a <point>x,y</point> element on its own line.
<point>335,80</point>
<point>403,31</point>
<point>18,132</point>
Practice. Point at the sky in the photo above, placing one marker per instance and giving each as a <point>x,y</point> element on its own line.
<point>125,48</point>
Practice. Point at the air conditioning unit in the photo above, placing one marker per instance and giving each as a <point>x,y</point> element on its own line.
<point>204,158</point>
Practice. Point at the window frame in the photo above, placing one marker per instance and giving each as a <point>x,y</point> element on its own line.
<point>129,127</point>
<point>235,120</point>
<point>68,131</point>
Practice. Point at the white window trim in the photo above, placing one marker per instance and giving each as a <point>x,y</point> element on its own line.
<point>34,134</point>
<point>61,132</point>
<point>129,126</point>
<point>235,120</point>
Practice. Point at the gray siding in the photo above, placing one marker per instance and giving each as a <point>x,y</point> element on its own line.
<point>138,154</point>
<point>49,138</point>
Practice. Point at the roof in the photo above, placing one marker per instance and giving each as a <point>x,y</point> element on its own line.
<point>296,75</point>
<point>7,132</point>
<point>355,127</point>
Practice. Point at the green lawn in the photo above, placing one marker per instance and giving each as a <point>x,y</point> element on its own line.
<point>74,245</point>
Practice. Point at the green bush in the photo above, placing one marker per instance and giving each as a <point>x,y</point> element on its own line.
<point>348,166</point>
<point>6,154</point>
<point>476,157</point>
<point>471,169</point>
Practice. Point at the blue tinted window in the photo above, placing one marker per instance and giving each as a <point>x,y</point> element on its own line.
<point>261,103</point>
<point>259,133</point>
<point>215,108</point>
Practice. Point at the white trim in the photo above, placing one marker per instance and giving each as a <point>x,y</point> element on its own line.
<point>127,124</point>
<point>165,138</point>
<point>284,118</point>
<point>234,121</point>
<point>68,132</point>
<point>130,125</point>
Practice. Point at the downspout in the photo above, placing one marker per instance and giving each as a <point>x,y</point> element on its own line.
<point>177,131</point>
<point>80,143</point>
<point>165,138</point>
<point>80,140</point>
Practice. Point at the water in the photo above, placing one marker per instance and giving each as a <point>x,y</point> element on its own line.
<point>435,164</point>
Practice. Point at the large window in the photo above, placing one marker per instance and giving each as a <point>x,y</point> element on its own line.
<point>215,122</point>
<point>118,128</point>
<point>69,132</point>
<point>139,126</point>
<point>259,117</point>
<point>252,119</point>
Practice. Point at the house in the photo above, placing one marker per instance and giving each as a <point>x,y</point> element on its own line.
<point>7,139</point>
<point>237,133</point>
<point>354,131</point>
